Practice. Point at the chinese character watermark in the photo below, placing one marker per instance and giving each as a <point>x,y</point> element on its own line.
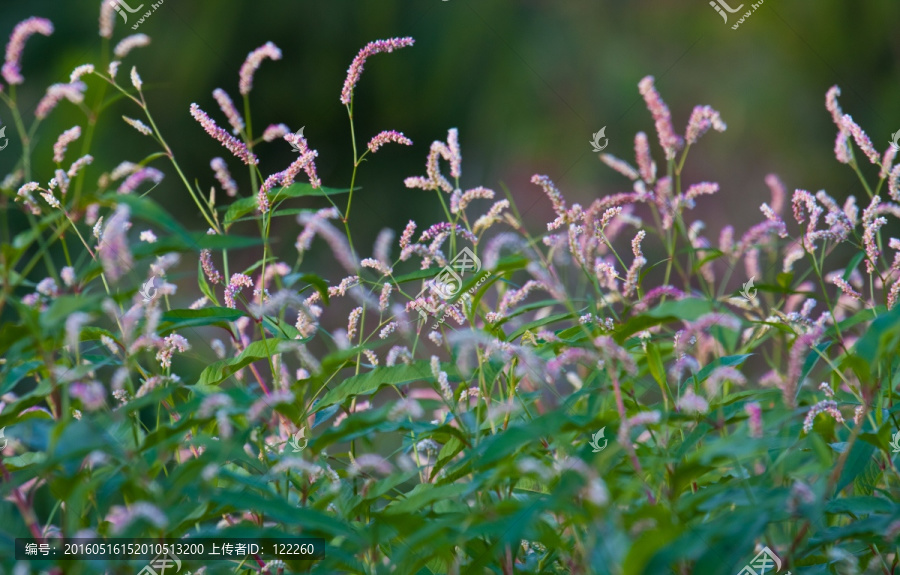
<point>595,143</point>
<point>595,441</point>
<point>762,562</point>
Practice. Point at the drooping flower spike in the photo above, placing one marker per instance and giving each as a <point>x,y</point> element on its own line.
<point>356,67</point>
<point>252,63</point>
<point>12,67</point>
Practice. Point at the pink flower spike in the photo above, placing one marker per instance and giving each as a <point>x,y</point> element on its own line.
<point>842,146</point>
<point>134,180</point>
<point>668,139</point>
<point>701,189</point>
<point>779,193</point>
<point>862,140</point>
<point>754,411</point>
<point>78,164</point>
<point>114,252</point>
<point>212,274</point>
<point>107,18</point>
<point>223,176</point>
<point>407,235</point>
<point>356,67</point>
<point>262,196</point>
<point>620,166</point>
<point>894,183</point>
<point>702,119</point>
<point>645,162</point>
<point>80,71</point>
<point>275,131</point>
<point>306,163</point>
<point>252,63</point>
<point>887,161</point>
<point>388,136</point>
<point>232,144</point>
<point>237,282</point>
<point>455,158</point>
<point>847,288</point>
<point>129,43</point>
<point>62,143</point>
<point>831,104</point>
<point>12,71</point>
<point>73,92</point>
<point>227,106</point>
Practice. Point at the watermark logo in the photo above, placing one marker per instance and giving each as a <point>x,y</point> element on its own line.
<point>447,284</point>
<point>760,565</point>
<point>595,441</point>
<point>4,441</point>
<point>715,4</point>
<point>895,443</point>
<point>894,137</point>
<point>6,140</point>
<point>295,440</point>
<point>119,4</point>
<point>595,143</point>
<point>297,136</point>
<point>748,292</point>
<point>149,291</point>
<point>161,565</point>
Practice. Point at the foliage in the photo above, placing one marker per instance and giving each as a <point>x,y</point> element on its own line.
<point>452,420</point>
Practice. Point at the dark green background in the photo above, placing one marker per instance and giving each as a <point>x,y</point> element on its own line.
<point>526,83</point>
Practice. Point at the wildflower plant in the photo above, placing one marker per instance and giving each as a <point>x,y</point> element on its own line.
<point>461,446</point>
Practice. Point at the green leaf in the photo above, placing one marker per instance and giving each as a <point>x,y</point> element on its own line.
<point>655,365</point>
<point>425,494</point>
<point>881,339</point>
<point>728,361</point>
<point>180,318</point>
<point>204,285</point>
<point>220,370</point>
<point>64,306</point>
<point>15,374</point>
<point>814,355</point>
<point>370,381</point>
<point>318,283</point>
<point>685,309</point>
<point>244,206</point>
<point>860,454</point>
<point>146,209</point>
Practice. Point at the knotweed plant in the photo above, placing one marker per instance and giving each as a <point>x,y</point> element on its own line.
<point>419,409</point>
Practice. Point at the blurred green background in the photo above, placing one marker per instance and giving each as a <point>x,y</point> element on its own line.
<point>526,83</point>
